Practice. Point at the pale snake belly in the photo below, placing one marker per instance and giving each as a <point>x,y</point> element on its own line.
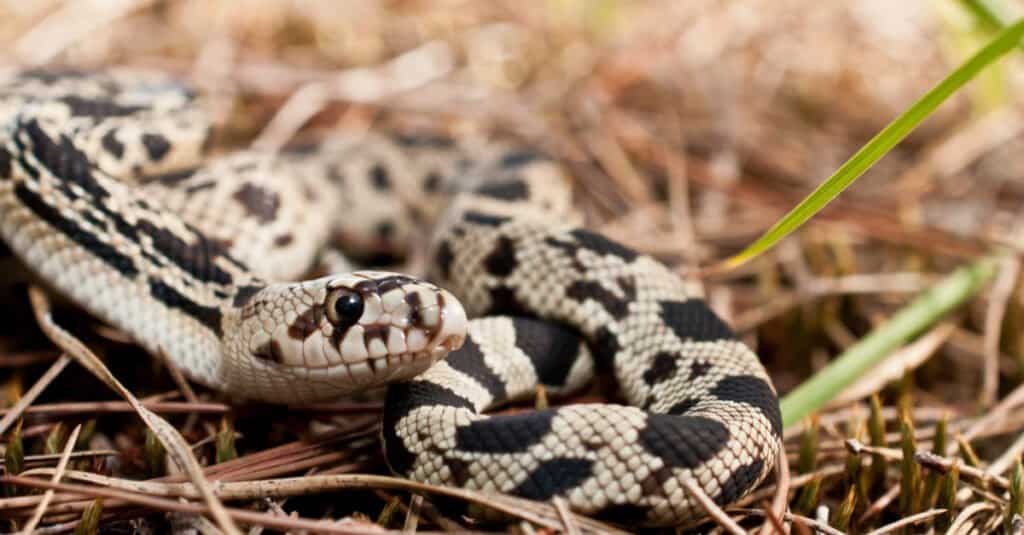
<point>102,199</point>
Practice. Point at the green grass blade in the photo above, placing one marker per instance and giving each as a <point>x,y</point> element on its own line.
<point>987,12</point>
<point>882,143</point>
<point>924,311</point>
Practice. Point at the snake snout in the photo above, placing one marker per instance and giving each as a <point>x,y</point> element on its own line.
<point>452,331</point>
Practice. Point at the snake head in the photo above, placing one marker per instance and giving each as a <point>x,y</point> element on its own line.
<point>342,333</point>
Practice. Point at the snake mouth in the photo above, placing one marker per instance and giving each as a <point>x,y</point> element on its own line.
<point>451,333</point>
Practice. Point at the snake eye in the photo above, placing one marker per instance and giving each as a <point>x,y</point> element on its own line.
<point>344,307</point>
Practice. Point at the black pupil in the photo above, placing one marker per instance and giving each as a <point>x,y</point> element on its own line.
<point>348,308</point>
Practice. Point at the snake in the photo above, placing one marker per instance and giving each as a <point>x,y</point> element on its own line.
<point>228,267</point>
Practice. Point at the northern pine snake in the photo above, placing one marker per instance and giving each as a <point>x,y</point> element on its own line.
<point>100,197</point>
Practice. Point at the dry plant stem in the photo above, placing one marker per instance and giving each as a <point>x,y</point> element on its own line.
<point>795,483</point>
<point>186,392</point>
<point>37,515</point>
<point>1006,459</point>
<point>999,297</point>
<point>896,365</point>
<point>889,414</point>
<point>412,515</point>
<point>168,435</point>
<point>71,23</point>
<point>568,526</point>
<point>11,415</point>
<point>981,478</point>
<point>821,287</point>
<point>959,150</point>
<point>773,522</point>
<point>300,107</point>
<point>1001,411</point>
<point>907,521</point>
<point>46,458</point>
<point>879,505</point>
<point>539,513</point>
<point>27,358</point>
<point>248,517</point>
<point>781,498</point>
<point>86,407</point>
<point>820,527</point>
<point>713,511</point>
<point>960,523</point>
<point>868,221</point>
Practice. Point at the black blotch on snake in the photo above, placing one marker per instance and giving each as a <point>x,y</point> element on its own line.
<point>616,306</point>
<point>379,178</point>
<point>171,298</point>
<point>110,143</point>
<point>402,399</point>
<point>624,513</point>
<point>504,301</point>
<point>156,145</point>
<point>739,481</point>
<point>480,218</point>
<point>550,347</point>
<point>683,441</point>
<point>682,407</point>
<point>506,190</point>
<point>554,477</point>
<point>662,367</point>
<point>470,361</point>
<point>518,158</point>
<point>443,259</point>
<point>258,202</point>
<point>752,391</point>
<point>693,320</point>
<point>506,433</point>
<point>501,261</point>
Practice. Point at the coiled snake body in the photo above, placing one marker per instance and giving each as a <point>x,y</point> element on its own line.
<point>100,197</point>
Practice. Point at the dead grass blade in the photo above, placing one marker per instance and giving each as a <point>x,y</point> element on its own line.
<point>11,415</point>
<point>57,474</point>
<point>165,432</point>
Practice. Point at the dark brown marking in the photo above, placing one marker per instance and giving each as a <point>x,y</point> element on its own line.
<point>459,469</point>
<point>683,407</point>
<point>415,304</point>
<point>283,240</point>
<point>379,178</point>
<point>270,351</point>
<point>258,202</point>
<point>502,260</point>
<point>112,145</point>
<point>245,294</point>
<point>366,287</point>
<point>443,259</point>
<point>5,164</point>
<point>663,366</point>
<point>432,182</point>
<point>379,332</point>
<point>205,185</point>
<point>306,323</point>
<point>699,368</point>
<point>156,145</point>
<point>386,284</point>
<point>210,316</point>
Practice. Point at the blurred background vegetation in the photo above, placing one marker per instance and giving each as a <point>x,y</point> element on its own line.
<point>690,127</point>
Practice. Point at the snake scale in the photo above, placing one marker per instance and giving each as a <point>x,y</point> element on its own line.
<point>106,197</point>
